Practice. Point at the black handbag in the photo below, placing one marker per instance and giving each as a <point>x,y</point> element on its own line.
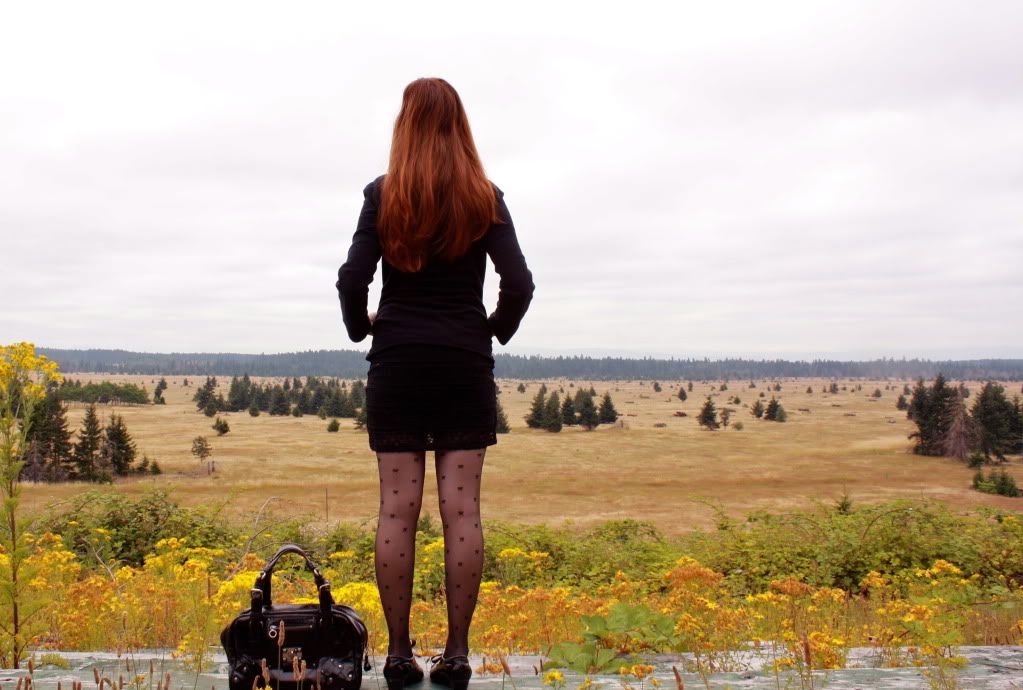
<point>295,646</point>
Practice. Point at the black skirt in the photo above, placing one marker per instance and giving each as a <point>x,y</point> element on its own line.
<point>430,397</point>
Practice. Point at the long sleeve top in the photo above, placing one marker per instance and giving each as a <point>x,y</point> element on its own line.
<point>442,304</point>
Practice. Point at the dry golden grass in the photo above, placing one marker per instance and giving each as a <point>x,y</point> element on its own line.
<point>639,471</point>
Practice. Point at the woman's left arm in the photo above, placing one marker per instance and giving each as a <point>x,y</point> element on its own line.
<point>355,275</point>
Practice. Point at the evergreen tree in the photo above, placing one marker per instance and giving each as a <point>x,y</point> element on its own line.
<point>758,409</point>
<point>607,413</point>
<point>279,405</point>
<point>334,426</point>
<point>204,395</point>
<point>901,404</point>
<point>708,415</point>
<point>521,388</point>
<point>551,419</point>
<point>221,426</point>
<point>86,453</point>
<point>118,448</point>
<point>534,420</point>
<point>360,418</point>
<point>238,394</point>
<point>928,409</point>
<point>568,417</point>
<point>657,387</point>
<point>254,408</point>
<point>995,418</point>
<point>358,394</point>
<point>771,412</point>
<point>502,419</point>
<point>690,386</point>
<point>682,394</point>
<point>589,418</point>
<point>49,455</point>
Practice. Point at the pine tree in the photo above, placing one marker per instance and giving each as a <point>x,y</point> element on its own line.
<point>49,449</point>
<point>682,394</point>
<point>254,408</point>
<point>334,426</point>
<point>357,395</point>
<point>238,395</point>
<point>86,453</point>
<point>502,419</point>
<point>708,415</point>
<point>568,417</point>
<point>588,415</point>
<point>995,418</point>
<point>279,405</point>
<point>900,403</point>
<point>690,386</point>
<point>221,426</point>
<point>360,418</point>
<point>118,447</point>
<point>771,412</point>
<point>758,409</point>
<point>928,409</point>
<point>551,419</point>
<point>534,420</point>
<point>607,414</point>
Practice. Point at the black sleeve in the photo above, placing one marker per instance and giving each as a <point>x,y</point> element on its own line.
<point>516,287</point>
<point>355,275</point>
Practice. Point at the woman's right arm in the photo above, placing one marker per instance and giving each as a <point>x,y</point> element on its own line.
<point>516,287</point>
<point>355,275</point>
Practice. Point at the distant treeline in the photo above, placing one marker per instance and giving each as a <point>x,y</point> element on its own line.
<point>103,392</point>
<point>352,364</point>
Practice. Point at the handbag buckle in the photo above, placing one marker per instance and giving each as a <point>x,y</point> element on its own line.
<point>292,656</point>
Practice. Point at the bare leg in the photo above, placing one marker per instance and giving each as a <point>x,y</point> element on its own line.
<point>458,481</point>
<point>401,498</point>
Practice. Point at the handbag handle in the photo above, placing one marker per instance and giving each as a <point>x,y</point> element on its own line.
<point>261,591</point>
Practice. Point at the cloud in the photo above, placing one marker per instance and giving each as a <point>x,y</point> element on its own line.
<point>741,178</point>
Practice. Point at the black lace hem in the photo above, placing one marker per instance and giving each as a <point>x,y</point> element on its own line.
<point>396,441</point>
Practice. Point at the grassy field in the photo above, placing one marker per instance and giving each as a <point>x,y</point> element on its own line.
<point>669,475</point>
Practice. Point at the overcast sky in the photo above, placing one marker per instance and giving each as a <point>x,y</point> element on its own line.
<point>710,179</point>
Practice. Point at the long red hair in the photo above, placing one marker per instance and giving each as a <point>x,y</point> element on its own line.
<point>435,199</point>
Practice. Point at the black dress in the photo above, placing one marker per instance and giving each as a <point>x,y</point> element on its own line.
<point>430,397</point>
<point>430,384</point>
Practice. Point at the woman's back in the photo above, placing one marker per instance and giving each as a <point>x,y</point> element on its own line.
<point>442,304</point>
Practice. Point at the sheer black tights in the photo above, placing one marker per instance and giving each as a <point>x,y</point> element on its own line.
<point>401,499</point>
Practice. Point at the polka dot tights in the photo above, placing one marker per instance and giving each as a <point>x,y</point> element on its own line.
<point>401,497</point>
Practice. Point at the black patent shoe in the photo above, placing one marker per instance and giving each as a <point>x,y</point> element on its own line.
<point>453,672</point>
<point>400,671</point>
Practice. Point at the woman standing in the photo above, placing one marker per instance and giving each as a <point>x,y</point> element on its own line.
<point>433,218</point>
